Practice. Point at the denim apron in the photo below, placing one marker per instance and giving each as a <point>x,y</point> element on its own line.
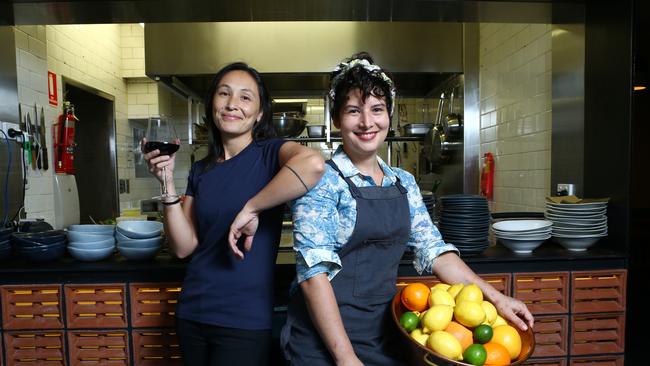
<point>365,285</point>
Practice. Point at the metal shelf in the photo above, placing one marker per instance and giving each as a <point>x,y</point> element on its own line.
<point>338,139</point>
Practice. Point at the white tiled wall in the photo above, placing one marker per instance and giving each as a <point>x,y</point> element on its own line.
<point>99,56</point>
<point>515,95</point>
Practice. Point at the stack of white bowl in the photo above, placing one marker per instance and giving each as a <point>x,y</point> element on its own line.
<point>522,236</point>
<point>91,243</point>
<point>139,239</point>
<point>577,226</point>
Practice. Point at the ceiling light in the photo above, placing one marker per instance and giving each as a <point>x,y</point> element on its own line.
<point>639,87</point>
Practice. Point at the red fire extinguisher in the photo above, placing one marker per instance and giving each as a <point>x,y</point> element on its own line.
<point>487,176</point>
<point>63,136</point>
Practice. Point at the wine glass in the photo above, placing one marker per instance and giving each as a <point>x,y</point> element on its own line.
<point>161,135</point>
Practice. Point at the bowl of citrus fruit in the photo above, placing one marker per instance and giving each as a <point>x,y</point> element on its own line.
<point>454,325</point>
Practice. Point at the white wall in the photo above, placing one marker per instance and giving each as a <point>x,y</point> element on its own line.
<point>515,97</point>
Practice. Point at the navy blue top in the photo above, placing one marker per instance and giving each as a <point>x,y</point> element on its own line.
<point>218,288</point>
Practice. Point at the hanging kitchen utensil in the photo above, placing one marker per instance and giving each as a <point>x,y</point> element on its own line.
<point>452,124</point>
<point>43,142</point>
<point>37,139</point>
<point>30,132</point>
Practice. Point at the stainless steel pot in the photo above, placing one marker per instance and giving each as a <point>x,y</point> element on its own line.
<point>316,130</point>
<point>288,124</point>
<point>452,123</point>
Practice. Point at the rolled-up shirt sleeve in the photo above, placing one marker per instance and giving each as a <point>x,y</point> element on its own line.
<point>425,239</point>
<point>315,224</point>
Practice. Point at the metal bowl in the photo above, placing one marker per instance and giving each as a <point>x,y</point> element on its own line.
<point>316,130</point>
<point>287,125</point>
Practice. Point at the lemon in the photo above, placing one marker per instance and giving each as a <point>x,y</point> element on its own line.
<point>437,318</point>
<point>440,297</point>
<point>490,311</point>
<point>455,289</point>
<point>498,321</point>
<point>442,286</point>
<point>419,337</point>
<point>470,293</point>
<point>445,344</point>
<point>469,313</point>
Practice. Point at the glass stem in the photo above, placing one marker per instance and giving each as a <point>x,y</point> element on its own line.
<point>164,185</point>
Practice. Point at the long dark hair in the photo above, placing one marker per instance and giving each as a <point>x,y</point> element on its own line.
<point>261,130</point>
<point>357,77</point>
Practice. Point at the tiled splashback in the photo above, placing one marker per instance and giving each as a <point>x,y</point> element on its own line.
<point>515,95</point>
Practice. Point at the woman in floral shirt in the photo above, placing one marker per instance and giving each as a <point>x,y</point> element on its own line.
<point>351,230</point>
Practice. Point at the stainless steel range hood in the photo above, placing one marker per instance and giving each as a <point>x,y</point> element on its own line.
<point>297,56</point>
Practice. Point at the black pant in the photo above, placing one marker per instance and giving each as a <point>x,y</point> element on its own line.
<point>211,345</point>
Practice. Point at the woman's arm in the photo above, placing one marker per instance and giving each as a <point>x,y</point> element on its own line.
<point>178,219</point>
<point>300,170</point>
<point>324,312</point>
<point>449,268</point>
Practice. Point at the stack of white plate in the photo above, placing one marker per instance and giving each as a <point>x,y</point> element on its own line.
<point>522,236</point>
<point>577,226</point>
<point>138,240</point>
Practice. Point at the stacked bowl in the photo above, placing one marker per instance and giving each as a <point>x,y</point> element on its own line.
<point>43,246</point>
<point>139,240</point>
<point>522,236</point>
<point>90,243</point>
<point>5,244</point>
<point>465,222</point>
<point>577,226</point>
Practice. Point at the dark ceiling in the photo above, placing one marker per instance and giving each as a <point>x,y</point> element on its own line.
<point>164,11</point>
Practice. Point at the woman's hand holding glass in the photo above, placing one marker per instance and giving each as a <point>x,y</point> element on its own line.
<point>161,166</point>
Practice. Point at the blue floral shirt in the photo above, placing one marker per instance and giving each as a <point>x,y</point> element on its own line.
<point>324,218</point>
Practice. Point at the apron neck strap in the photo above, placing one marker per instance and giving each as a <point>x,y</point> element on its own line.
<point>353,188</point>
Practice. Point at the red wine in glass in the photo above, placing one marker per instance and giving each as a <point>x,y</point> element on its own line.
<point>159,132</point>
<point>166,148</point>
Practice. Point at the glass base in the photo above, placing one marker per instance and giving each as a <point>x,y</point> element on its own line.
<point>166,197</point>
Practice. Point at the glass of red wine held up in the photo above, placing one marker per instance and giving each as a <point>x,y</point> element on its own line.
<point>162,136</point>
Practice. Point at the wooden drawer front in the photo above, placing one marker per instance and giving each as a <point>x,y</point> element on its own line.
<point>598,291</point>
<point>546,362</point>
<point>405,280</point>
<point>32,307</point>
<point>156,348</point>
<point>598,361</point>
<point>598,333</point>
<point>35,348</point>
<point>551,336</point>
<point>98,348</point>
<point>500,281</point>
<point>153,304</point>
<point>543,292</point>
<point>96,306</point>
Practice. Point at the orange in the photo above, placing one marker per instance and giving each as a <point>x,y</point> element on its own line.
<point>415,296</point>
<point>461,333</point>
<point>508,337</point>
<point>497,355</point>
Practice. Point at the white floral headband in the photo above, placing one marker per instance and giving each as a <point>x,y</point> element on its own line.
<point>344,67</point>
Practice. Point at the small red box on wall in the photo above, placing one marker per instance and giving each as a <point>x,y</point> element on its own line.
<point>51,88</point>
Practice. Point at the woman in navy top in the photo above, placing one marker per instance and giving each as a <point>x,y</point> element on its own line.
<point>225,308</point>
<point>351,230</point>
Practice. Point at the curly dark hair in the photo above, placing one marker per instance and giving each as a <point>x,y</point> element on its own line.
<point>261,130</point>
<point>357,77</point>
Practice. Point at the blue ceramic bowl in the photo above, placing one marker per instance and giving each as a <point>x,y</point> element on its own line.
<point>91,255</point>
<point>138,253</point>
<point>99,244</point>
<point>93,228</point>
<point>83,236</point>
<point>44,237</point>
<point>25,243</point>
<point>139,229</point>
<point>5,232</point>
<point>5,253</point>
<point>141,243</point>
<point>42,255</point>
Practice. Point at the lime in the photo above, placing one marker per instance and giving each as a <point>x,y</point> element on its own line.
<point>409,320</point>
<point>483,333</point>
<point>475,354</point>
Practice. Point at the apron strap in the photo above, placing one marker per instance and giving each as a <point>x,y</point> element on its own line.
<point>353,188</point>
